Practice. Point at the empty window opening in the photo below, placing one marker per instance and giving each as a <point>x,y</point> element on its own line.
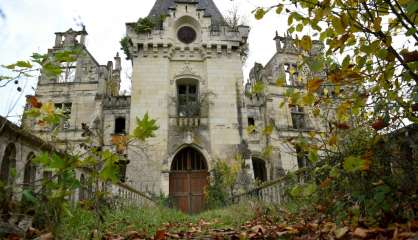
<point>67,72</point>
<point>251,121</point>
<point>120,125</point>
<point>302,157</point>
<point>291,74</point>
<point>260,171</point>
<point>298,117</point>
<point>81,191</point>
<point>8,164</point>
<point>66,111</point>
<point>29,176</point>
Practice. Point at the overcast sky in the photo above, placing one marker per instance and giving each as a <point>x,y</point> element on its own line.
<point>29,26</point>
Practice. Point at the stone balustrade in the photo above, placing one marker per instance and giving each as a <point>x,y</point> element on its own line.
<point>273,191</point>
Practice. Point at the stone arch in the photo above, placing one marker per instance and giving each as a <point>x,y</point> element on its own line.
<point>29,175</point>
<point>179,162</point>
<point>188,180</point>
<point>196,147</point>
<point>8,163</point>
<point>259,168</point>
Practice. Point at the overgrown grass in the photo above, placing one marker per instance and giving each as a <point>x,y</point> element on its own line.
<point>149,220</point>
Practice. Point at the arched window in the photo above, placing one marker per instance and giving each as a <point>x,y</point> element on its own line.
<point>188,159</point>
<point>120,125</point>
<point>187,98</point>
<point>260,171</point>
<point>29,176</point>
<point>8,163</point>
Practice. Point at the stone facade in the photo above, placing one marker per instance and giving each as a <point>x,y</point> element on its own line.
<point>262,109</point>
<point>187,74</point>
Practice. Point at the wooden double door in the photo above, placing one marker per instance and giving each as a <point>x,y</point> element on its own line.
<point>188,180</point>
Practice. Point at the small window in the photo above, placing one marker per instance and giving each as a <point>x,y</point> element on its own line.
<point>260,171</point>
<point>298,117</point>
<point>66,111</point>
<point>251,121</point>
<point>302,158</point>
<point>291,74</point>
<point>120,125</point>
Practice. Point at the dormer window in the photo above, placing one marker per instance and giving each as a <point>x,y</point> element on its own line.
<point>186,34</point>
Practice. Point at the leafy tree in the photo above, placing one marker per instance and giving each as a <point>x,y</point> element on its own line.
<point>369,88</point>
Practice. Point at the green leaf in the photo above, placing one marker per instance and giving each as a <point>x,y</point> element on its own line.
<point>145,128</point>
<point>309,189</point>
<point>56,162</point>
<point>299,27</point>
<point>279,8</point>
<point>268,130</point>
<point>412,7</point>
<point>23,64</point>
<point>258,87</point>
<point>42,159</point>
<point>259,13</point>
<point>313,155</point>
<point>410,32</point>
<point>296,191</point>
<point>354,163</point>
<point>51,70</point>
<point>28,196</point>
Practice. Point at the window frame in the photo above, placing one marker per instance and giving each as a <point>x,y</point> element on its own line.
<point>183,110</point>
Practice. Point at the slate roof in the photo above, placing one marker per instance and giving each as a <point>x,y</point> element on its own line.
<point>161,7</point>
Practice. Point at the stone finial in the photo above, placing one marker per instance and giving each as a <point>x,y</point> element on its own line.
<point>278,41</point>
<point>117,62</point>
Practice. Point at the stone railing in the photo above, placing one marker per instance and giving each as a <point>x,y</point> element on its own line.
<point>188,121</point>
<point>273,191</point>
<point>124,194</point>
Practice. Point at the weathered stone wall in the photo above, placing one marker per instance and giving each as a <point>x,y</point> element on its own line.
<point>264,109</point>
<point>159,61</point>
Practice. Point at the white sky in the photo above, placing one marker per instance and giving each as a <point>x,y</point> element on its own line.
<point>30,25</point>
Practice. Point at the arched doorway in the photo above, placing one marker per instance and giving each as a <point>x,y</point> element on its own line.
<point>8,163</point>
<point>188,179</point>
<point>260,171</point>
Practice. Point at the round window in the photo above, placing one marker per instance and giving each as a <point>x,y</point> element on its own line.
<point>186,34</point>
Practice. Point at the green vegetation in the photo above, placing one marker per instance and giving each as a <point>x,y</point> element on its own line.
<point>147,220</point>
<point>125,43</point>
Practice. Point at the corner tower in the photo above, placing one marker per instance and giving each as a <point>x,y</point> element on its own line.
<point>187,74</point>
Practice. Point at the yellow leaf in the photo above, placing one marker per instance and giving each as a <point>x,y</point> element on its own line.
<point>48,107</point>
<point>314,84</point>
<point>332,140</point>
<point>306,43</point>
<point>377,23</point>
<point>280,82</point>
<point>308,99</point>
